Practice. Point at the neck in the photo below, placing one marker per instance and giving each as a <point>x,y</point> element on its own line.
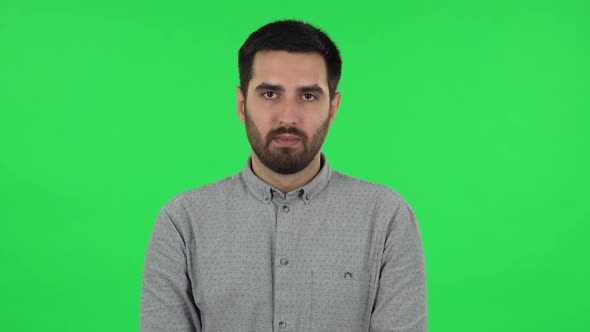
<point>286,182</point>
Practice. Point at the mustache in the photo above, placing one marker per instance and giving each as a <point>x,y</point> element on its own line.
<point>287,130</point>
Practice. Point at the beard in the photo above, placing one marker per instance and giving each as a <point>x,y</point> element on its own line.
<point>286,160</point>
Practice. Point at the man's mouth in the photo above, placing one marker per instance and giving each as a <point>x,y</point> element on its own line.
<point>287,140</point>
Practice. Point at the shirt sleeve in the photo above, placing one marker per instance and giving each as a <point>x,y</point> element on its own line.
<point>400,302</point>
<point>167,303</point>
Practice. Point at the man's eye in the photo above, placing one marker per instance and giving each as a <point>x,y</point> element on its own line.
<point>308,96</point>
<point>269,94</point>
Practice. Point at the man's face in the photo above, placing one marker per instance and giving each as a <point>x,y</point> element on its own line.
<point>287,111</point>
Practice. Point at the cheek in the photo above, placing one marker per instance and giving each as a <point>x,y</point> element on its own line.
<point>261,117</point>
<point>256,122</point>
<point>320,119</point>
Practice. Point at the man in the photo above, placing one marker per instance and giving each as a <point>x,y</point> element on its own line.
<point>287,244</point>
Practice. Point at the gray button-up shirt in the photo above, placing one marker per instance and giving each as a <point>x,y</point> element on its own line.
<point>338,254</point>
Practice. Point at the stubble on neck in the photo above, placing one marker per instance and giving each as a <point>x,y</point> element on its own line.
<point>286,182</point>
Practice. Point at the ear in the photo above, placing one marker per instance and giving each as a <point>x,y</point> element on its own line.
<point>241,103</point>
<point>334,105</point>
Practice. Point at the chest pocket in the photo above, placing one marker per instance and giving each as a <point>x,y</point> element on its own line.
<point>339,300</point>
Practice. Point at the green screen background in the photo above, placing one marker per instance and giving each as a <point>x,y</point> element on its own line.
<point>476,112</point>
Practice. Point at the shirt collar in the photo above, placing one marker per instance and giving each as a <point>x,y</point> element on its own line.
<point>263,191</point>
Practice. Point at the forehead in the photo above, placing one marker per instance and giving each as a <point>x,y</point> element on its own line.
<point>287,68</point>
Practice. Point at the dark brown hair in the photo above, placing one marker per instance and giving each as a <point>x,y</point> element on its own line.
<point>291,36</point>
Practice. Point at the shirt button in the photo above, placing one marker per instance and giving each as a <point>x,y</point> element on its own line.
<point>282,325</point>
<point>286,209</point>
<point>284,261</point>
<point>347,275</point>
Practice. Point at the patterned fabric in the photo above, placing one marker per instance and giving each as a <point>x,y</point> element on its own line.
<point>338,254</point>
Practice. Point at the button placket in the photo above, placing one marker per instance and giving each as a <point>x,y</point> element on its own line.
<point>283,285</point>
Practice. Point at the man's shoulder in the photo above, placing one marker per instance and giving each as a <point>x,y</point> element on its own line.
<point>356,186</point>
<point>207,194</point>
<point>359,193</point>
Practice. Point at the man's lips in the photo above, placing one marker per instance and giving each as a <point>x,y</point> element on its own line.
<point>287,140</point>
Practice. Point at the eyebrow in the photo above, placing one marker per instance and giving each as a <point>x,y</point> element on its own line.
<point>302,89</point>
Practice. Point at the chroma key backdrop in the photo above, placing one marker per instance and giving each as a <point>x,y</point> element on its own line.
<point>476,112</point>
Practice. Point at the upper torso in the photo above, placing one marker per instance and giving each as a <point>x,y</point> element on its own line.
<point>305,261</point>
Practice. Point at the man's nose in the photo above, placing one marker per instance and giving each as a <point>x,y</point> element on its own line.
<point>288,113</point>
